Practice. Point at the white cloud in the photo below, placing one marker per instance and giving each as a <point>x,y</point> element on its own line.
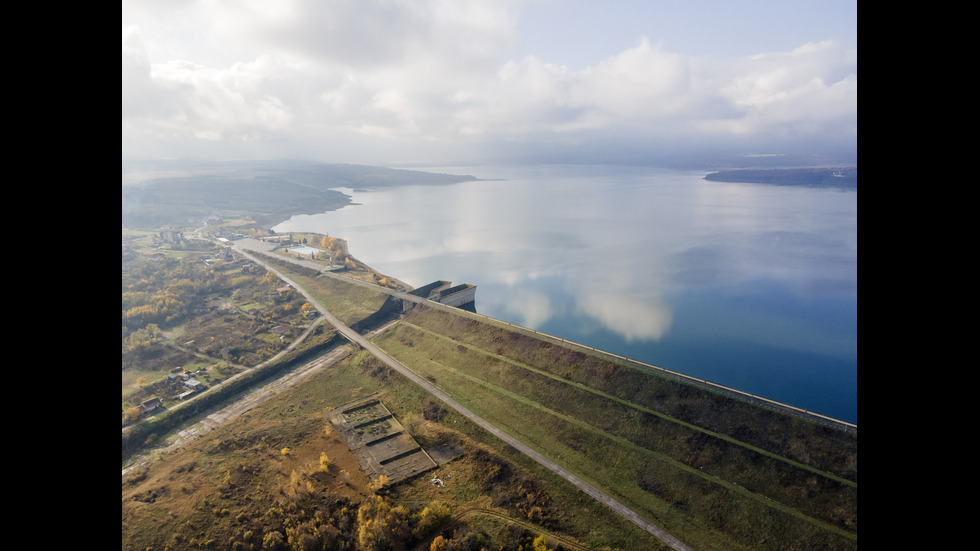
<point>143,93</point>
<point>441,78</point>
<point>642,83</point>
<point>804,90</point>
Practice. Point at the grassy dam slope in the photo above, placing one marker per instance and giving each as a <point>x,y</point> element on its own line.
<point>713,470</point>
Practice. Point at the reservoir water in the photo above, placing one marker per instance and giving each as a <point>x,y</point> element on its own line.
<point>750,286</point>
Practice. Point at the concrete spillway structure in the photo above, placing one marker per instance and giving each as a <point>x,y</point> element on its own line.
<point>458,295</point>
<point>451,295</point>
<point>426,291</point>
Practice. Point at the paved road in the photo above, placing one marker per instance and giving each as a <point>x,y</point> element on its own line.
<point>356,338</point>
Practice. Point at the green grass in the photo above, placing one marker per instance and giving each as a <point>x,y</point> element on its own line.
<point>798,440</point>
<point>588,400</point>
<point>720,489</point>
<point>131,376</point>
<point>250,305</point>
<point>349,302</point>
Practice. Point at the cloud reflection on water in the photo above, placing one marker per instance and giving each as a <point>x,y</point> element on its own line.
<point>750,286</point>
<point>633,318</point>
<point>532,308</point>
<point>615,248</point>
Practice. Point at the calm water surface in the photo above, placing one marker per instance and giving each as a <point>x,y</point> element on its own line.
<point>746,285</point>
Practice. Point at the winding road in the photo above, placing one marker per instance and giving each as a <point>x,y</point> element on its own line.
<point>599,495</point>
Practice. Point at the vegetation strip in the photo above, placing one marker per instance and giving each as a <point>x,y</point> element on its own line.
<point>637,364</point>
<point>563,540</point>
<point>639,407</point>
<point>622,441</point>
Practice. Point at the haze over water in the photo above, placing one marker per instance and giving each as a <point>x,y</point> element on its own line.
<point>746,285</point>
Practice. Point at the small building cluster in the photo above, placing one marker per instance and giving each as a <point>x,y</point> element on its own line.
<point>228,254</point>
<point>184,385</point>
<point>171,235</point>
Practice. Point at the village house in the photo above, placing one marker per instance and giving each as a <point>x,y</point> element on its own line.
<point>193,386</point>
<point>150,405</point>
<point>177,378</point>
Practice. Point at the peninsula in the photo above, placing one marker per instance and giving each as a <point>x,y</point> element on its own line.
<point>171,192</point>
<point>844,178</point>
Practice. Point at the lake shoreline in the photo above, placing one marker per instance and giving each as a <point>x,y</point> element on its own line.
<point>842,178</point>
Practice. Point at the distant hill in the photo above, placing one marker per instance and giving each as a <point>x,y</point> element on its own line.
<point>845,178</point>
<point>172,192</point>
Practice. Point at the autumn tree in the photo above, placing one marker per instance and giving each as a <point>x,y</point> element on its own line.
<point>300,485</point>
<point>270,278</point>
<point>384,281</point>
<point>331,244</point>
<point>370,523</point>
<point>142,339</point>
<point>438,544</point>
<point>131,414</point>
<point>311,536</point>
<point>379,482</point>
<point>431,518</point>
<point>383,527</point>
<point>273,541</point>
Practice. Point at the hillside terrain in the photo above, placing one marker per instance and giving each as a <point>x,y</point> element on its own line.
<point>716,472</point>
<point>159,193</point>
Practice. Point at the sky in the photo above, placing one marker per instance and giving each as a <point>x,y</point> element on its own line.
<point>451,82</point>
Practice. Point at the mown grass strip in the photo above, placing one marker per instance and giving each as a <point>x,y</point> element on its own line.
<point>638,407</point>
<point>689,506</point>
<point>668,460</point>
<point>786,484</point>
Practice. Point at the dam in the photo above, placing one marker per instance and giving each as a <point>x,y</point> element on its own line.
<point>444,292</point>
